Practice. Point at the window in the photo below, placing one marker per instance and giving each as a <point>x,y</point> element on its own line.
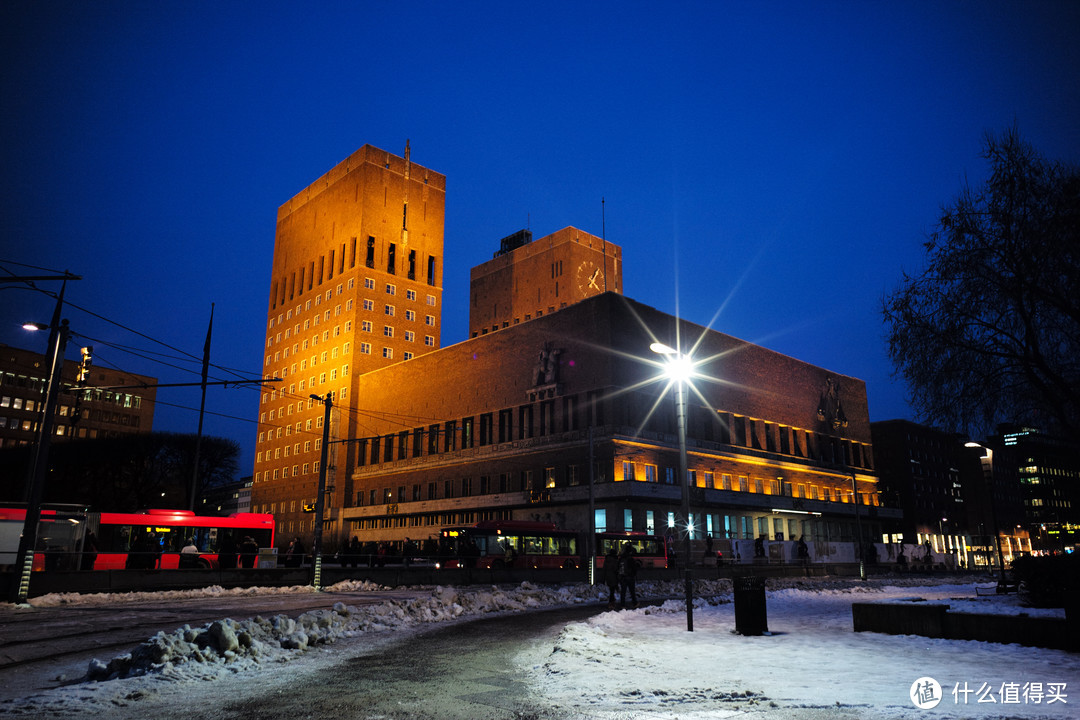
<point>429,320</point>
<point>429,341</point>
<point>366,326</point>
<point>410,294</point>
<point>369,283</point>
<point>410,315</point>
<point>388,353</point>
<point>431,300</point>
<point>627,471</point>
<point>365,348</point>
<point>388,331</point>
<point>600,520</point>
<point>370,259</point>
<point>369,304</point>
<point>391,289</point>
<point>410,336</point>
<point>389,310</point>
<point>650,473</point>
<point>391,257</point>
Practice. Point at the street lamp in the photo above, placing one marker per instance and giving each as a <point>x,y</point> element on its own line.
<point>679,368</point>
<point>987,462</point>
<point>24,559</point>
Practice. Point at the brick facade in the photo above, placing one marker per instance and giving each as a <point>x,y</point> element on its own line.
<point>541,277</point>
<point>356,285</point>
<point>499,426</point>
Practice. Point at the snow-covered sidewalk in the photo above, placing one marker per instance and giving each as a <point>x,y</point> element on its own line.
<point>644,664</point>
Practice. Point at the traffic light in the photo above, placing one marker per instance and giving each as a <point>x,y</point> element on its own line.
<point>80,382</point>
<point>84,366</point>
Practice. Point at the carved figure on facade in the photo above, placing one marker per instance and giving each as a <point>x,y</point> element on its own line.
<point>830,409</point>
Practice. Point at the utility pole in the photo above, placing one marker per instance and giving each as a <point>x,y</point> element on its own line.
<point>202,411</point>
<point>320,499</point>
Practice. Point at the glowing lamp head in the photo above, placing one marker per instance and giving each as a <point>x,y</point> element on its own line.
<point>678,367</point>
<point>32,326</point>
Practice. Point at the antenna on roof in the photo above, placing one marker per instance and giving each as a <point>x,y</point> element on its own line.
<point>603,219</point>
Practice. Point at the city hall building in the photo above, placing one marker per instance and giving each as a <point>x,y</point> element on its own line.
<point>554,409</point>
<point>546,419</point>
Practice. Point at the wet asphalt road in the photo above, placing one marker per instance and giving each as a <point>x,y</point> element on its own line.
<point>460,672</point>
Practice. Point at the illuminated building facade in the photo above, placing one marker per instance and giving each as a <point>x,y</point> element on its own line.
<point>528,279</point>
<point>102,410</point>
<point>356,285</point>
<point>504,425</point>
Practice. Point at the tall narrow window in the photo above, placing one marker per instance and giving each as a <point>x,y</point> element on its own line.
<point>431,271</point>
<point>412,264</point>
<point>390,258</point>
<point>370,261</point>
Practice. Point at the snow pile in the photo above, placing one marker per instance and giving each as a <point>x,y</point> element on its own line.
<point>214,591</point>
<point>236,645</point>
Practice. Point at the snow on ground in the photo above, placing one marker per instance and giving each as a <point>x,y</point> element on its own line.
<point>644,663</point>
<point>635,663</point>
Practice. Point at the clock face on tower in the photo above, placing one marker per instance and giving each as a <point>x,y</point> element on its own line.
<point>590,279</point>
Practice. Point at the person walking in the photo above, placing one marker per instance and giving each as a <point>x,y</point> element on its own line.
<point>611,575</point>
<point>628,567</point>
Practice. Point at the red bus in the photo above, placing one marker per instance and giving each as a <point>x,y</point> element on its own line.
<point>509,543</point>
<point>524,544</point>
<point>73,538</point>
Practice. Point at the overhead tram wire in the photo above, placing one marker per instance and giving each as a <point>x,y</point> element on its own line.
<point>68,303</point>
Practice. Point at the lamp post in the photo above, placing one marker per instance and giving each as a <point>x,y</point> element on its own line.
<point>24,559</point>
<point>858,529</point>
<point>680,370</point>
<point>987,462</point>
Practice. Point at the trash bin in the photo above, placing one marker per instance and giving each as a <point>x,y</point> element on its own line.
<point>750,612</point>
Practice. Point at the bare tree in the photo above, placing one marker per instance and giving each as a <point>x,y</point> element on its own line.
<point>989,332</point>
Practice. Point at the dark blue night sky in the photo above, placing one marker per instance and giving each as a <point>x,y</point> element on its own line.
<point>774,165</point>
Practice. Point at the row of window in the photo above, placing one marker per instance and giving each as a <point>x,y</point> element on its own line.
<point>125,400</point>
<point>96,416</point>
<point>571,475</point>
<point>296,283</point>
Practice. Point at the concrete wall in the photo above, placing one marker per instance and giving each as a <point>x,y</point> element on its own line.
<point>935,620</point>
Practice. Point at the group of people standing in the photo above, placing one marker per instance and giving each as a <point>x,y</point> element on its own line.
<point>620,575</point>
